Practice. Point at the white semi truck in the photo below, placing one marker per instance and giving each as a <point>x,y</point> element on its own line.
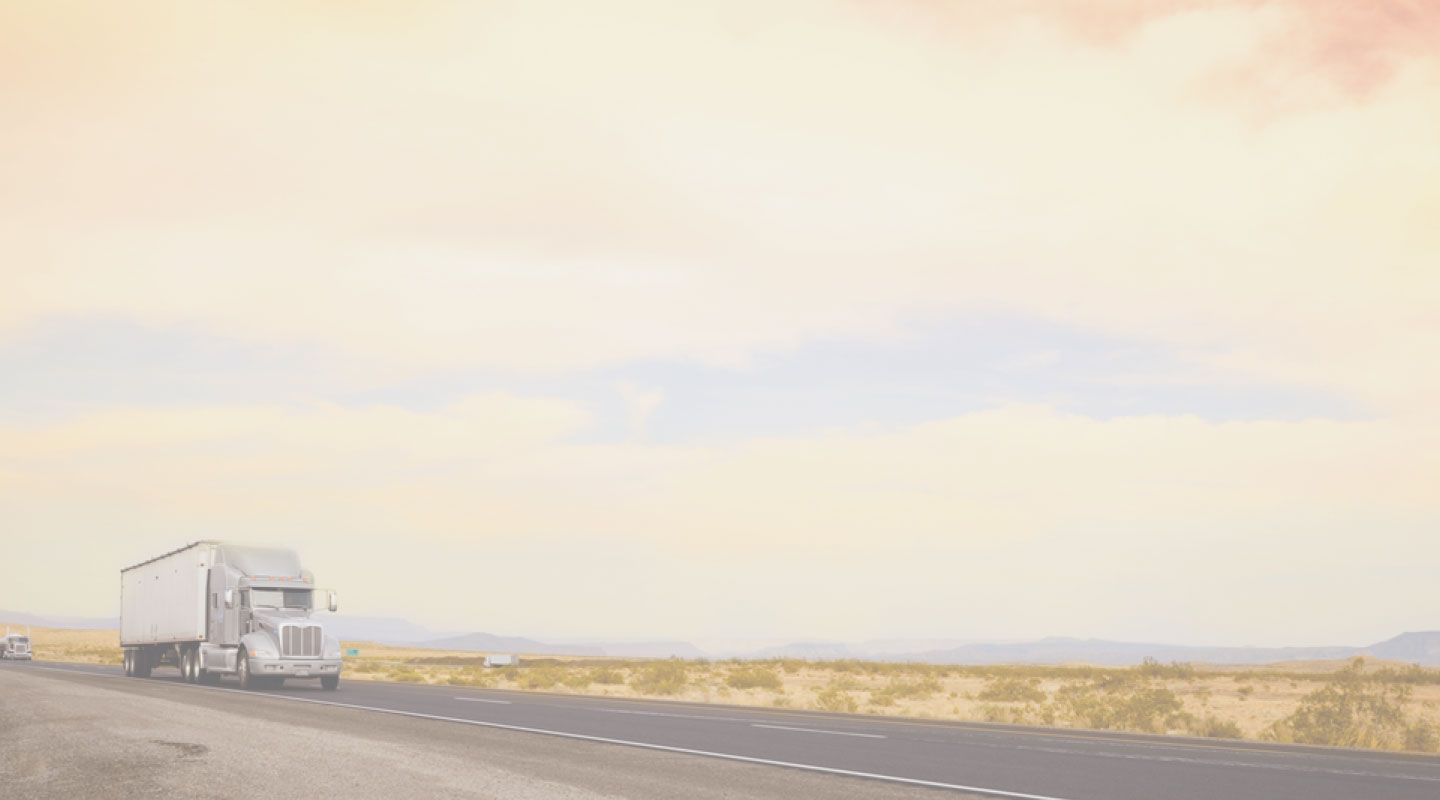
<point>212,609</point>
<point>15,646</point>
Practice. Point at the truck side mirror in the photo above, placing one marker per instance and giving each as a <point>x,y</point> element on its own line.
<point>229,598</point>
<point>332,603</point>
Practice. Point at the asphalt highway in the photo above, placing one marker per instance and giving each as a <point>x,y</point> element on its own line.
<point>925,756</point>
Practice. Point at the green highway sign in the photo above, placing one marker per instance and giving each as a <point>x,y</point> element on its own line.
<point>352,652</point>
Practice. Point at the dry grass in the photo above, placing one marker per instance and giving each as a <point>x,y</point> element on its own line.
<point>1377,704</point>
<point>87,647</point>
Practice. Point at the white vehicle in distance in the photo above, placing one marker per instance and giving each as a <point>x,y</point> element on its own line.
<point>15,646</point>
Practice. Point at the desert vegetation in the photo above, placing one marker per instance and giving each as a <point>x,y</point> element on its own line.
<point>1361,703</point>
<point>1355,704</point>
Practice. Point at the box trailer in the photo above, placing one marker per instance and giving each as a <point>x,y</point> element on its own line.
<point>214,608</point>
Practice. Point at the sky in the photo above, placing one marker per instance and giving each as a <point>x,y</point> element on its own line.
<point>736,320</point>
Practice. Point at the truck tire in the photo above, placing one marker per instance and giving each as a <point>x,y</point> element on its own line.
<point>185,665</point>
<point>142,663</point>
<point>242,671</point>
<point>329,682</point>
<point>129,661</point>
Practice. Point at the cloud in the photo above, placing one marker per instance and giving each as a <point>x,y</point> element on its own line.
<point>849,529</point>
<point>438,187</point>
<point>639,405</point>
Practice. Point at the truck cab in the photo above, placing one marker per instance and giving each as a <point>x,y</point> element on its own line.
<point>15,646</point>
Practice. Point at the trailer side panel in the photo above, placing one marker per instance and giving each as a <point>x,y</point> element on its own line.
<point>163,601</point>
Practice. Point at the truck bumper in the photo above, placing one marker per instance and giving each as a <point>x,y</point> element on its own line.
<point>295,668</point>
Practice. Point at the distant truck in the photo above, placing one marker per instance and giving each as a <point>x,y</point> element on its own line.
<point>496,660</point>
<point>15,646</point>
<point>213,608</point>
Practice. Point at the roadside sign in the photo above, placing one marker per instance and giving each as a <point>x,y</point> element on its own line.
<point>352,652</point>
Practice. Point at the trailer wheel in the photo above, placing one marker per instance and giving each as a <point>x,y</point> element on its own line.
<point>142,663</point>
<point>129,661</point>
<point>242,671</point>
<point>329,682</point>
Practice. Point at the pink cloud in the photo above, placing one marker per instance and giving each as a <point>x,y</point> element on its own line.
<point>1354,46</point>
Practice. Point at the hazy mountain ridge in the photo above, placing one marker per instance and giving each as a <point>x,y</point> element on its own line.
<point>1421,648</point>
<point>69,623</point>
<point>1417,647</point>
<point>490,643</point>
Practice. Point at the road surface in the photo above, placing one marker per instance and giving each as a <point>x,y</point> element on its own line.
<point>610,747</point>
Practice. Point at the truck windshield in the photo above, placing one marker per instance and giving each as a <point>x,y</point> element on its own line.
<point>280,598</point>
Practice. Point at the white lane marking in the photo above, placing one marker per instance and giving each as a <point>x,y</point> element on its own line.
<point>817,730</point>
<point>483,700</point>
<point>604,740</point>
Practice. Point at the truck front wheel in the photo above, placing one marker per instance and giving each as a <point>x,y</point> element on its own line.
<point>242,670</point>
<point>330,682</point>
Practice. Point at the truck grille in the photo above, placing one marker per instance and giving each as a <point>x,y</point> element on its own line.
<point>301,641</point>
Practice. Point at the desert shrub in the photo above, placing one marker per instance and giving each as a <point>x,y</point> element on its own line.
<point>660,677</point>
<point>510,674</point>
<point>1177,670</point>
<point>833,698</point>
<point>607,676</point>
<point>1122,703</point>
<point>407,676</point>
<point>916,690</point>
<point>1014,690</point>
<point>899,689</point>
<point>579,679</point>
<point>1355,710</point>
<point>753,678</point>
<point>1412,674</point>
<point>1245,692</point>
<point>994,713</point>
<point>540,677</point>
<point>1216,728</point>
<point>1421,737</point>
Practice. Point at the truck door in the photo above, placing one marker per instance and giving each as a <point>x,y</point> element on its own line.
<point>224,617</point>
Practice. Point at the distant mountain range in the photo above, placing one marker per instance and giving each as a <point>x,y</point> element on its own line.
<point>70,623</point>
<point>1416,648</point>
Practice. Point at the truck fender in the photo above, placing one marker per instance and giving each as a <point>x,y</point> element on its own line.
<point>260,643</point>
